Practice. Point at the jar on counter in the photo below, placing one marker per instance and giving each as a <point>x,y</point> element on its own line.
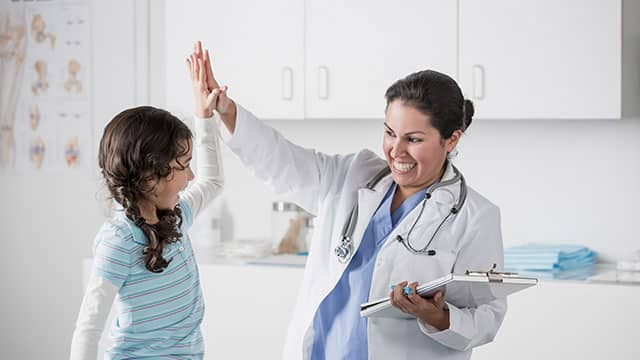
<point>289,228</point>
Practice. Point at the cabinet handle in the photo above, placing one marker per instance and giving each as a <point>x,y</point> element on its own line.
<point>478,82</point>
<point>287,83</point>
<point>323,82</point>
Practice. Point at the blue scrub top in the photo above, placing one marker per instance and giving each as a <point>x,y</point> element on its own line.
<point>339,331</point>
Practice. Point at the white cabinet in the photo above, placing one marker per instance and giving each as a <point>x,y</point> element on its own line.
<point>542,59</point>
<point>521,59</point>
<point>256,49</point>
<point>248,309</point>
<point>352,51</point>
<point>355,49</point>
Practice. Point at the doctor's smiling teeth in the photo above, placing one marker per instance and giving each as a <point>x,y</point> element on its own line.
<point>403,167</point>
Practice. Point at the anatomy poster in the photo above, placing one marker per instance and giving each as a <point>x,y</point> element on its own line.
<point>45,103</point>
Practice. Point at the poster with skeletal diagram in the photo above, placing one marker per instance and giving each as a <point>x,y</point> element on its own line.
<point>45,100</point>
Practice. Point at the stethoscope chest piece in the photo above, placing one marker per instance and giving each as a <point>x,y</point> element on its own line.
<point>344,250</point>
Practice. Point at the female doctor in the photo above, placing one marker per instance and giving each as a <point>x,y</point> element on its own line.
<point>411,225</point>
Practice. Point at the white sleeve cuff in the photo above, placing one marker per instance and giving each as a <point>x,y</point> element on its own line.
<point>234,140</point>
<point>451,337</point>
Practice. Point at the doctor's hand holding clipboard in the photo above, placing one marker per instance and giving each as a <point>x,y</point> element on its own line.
<point>404,218</point>
<point>430,310</point>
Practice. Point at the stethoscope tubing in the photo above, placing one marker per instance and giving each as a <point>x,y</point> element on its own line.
<point>344,251</point>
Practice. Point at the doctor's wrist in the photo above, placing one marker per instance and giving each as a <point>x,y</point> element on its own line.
<point>229,115</point>
<point>439,321</point>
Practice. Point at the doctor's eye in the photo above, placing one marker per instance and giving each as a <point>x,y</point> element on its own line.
<point>414,140</point>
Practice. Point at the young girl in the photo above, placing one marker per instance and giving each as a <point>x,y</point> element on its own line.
<point>143,254</point>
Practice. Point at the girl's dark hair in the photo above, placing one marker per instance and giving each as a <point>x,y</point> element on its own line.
<point>436,95</point>
<point>136,151</point>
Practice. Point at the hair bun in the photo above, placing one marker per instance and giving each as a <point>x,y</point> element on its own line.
<point>467,112</point>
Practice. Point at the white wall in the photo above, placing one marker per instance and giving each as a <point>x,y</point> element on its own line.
<point>49,221</point>
<point>570,181</point>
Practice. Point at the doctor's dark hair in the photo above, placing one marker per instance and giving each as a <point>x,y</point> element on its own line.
<point>136,151</point>
<point>436,95</point>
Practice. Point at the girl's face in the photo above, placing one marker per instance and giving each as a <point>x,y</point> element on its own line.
<point>165,196</point>
<point>414,149</point>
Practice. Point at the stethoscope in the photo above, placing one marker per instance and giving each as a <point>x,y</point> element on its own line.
<point>344,251</point>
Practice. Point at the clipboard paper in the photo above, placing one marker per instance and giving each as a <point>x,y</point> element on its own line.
<point>461,290</point>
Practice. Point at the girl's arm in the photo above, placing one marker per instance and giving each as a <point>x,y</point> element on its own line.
<point>209,180</point>
<point>95,308</point>
<point>206,144</point>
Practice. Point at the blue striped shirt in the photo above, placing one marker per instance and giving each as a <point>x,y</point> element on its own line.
<point>158,314</point>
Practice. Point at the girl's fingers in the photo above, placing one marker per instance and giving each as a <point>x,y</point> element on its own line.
<point>198,68</point>
<point>193,66</point>
<point>201,72</point>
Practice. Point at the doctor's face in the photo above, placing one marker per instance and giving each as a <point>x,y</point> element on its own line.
<point>414,149</point>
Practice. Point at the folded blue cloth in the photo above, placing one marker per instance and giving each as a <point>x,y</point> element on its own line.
<point>564,261</point>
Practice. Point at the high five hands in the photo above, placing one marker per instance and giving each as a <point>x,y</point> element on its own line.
<point>208,94</point>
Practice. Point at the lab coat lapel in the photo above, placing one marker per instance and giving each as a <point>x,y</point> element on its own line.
<point>368,202</point>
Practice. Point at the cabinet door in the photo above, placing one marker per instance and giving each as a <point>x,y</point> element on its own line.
<point>541,59</point>
<point>256,49</point>
<point>355,49</point>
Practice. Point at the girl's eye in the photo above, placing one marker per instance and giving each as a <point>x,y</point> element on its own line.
<point>413,140</point>
<point>389,133</point>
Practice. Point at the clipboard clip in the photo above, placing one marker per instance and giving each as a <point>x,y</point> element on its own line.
<point>492,274</point>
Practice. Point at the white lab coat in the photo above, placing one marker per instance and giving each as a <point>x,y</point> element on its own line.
<point>328,187</point>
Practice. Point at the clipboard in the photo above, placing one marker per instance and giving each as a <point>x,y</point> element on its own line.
<point>468,290</point>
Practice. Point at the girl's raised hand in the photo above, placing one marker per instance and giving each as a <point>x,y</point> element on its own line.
<point>205,99</point>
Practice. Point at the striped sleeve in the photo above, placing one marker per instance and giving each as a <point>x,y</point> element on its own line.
<point>114,254</point>
<point>187,214</point>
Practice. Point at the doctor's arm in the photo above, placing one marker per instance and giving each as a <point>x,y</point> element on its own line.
<point>300,174</point>
<point>471,327</point>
